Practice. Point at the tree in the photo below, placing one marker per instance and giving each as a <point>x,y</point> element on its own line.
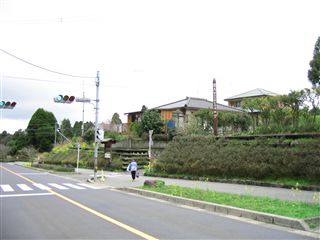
<point>313,96</point>
<point>294,100</point>
<point>252,106</point>
<point>26,154</point>
<point>266,108</point>
<point>77,129</point>
<point>66,128</point>
<point>40,130</point>
<point>144,108</point>
<point>116,121</point>
<point>4,137</point>
<point>4,151</point>
<point>18,141</point>
<point>89,128</point>
<point>314,72</point>
<point>205,118</point>
<point>151,120</point>
<point>192,128</point>
<point>279,112</point>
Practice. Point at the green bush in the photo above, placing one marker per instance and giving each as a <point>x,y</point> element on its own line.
<point>56,168</point>
<point>116,164</point>
<point>67,156</point>
<point>254,159</point>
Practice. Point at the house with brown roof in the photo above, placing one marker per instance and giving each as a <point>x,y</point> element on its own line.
<point>235,101</point>
<point>179,112</point>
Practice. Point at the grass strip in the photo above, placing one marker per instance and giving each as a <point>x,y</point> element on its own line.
<point>292,209</point>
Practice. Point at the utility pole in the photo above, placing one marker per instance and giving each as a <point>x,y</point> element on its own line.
<point>215,108</point>
<point>96,130</point>
<point>82,126</point>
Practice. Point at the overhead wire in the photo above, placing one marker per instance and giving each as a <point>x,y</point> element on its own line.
<point>43,68</point>
<point>56,81</point>
<point>35,79</point>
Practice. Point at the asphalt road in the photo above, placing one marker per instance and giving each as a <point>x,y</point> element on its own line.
<point>38,205</point>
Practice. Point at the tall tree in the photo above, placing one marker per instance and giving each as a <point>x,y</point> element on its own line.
<point>77,129</point>
<point>88,131</point>
<point>314,72</point>
<point>313,96</point>
<point>40,130</point>
<point>116,122</point>
<point>116,119</point>
<point>294,100</point>
<point>66,128</point>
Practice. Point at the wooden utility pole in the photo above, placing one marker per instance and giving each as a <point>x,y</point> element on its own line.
<point>215,108</point>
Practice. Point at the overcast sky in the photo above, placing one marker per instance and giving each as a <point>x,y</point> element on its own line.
<point>149,52</point>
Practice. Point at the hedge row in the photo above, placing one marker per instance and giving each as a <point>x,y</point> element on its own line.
<point>256,159</point>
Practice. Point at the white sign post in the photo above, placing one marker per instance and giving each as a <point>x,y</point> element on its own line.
<point>150,142</point>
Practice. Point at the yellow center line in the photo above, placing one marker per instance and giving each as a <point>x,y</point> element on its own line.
<point>90,210</point>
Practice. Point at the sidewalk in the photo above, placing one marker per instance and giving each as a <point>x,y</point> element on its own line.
<point>123,179</point>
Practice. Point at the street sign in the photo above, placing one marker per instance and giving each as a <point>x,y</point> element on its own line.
<point>85,100</point>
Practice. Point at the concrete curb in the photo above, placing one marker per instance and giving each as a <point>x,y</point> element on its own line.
<point>234,211</point>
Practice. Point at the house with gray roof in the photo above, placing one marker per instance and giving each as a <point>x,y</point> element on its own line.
<point>179,112</point>
<point>235,101</point>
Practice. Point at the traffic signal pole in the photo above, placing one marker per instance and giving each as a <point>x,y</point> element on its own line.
<point>95,167</point>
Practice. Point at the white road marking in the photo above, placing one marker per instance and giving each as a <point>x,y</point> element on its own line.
<point>73,186</point>
<point>30,173</point>
<point>58,186</point>
<point>6,188</point>
<point>41,186</point>
<point>63,186</point>
<point>24,187</point>
<point>25,195</point>
<point>88,186</point>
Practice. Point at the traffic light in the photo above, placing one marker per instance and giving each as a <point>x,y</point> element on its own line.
<point>64,99</point>
<point>7,105</point>
<point>99,134</point>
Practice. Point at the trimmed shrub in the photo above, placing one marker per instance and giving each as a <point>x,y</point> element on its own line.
<point>255,159</point>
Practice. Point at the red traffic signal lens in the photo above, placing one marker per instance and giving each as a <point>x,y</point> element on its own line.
<point>71,98</point>
<point>13,104</point>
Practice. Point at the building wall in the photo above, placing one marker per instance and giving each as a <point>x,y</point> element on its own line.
<point>166,114</point>
<point>236,103</point>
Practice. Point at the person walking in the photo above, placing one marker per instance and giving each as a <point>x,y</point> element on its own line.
<point>133,168</point>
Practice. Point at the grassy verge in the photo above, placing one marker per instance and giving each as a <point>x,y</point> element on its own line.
<point>261,204</point>
<point>291,183</point>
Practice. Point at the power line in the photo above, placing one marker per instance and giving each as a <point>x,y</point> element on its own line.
<point>46,69</point>
<point>55,19</point>
<point>56,81</point>
<point>37,79</point>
